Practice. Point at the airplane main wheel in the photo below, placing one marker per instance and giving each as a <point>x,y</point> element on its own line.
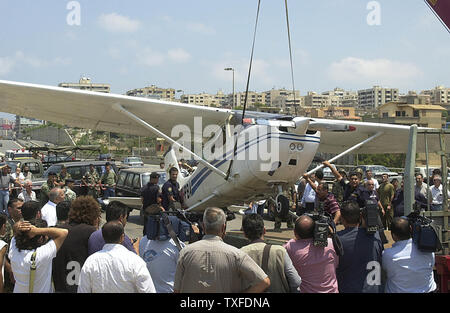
<point>282,208</point>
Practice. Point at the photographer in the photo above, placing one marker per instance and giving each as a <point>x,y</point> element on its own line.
<point>407,268</point>
<point>359,269</point>
<point>323,196</point>
<point>159,251</point>
<point>316,265</point>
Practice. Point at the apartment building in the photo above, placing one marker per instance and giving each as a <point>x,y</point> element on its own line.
<point>85,84</point>
<point>375,97</point>
<point>153,92</point>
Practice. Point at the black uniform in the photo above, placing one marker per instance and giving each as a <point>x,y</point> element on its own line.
<point>171,188</point>
<point>150,194</point>
<point>354,194</point>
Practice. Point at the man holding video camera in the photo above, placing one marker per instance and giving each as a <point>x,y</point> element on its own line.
<point>315,264</point>
<point>408,269</point>
<point>359,269</point>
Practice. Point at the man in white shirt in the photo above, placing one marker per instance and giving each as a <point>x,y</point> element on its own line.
<point>437,194</point>
<point>408,270</point>
<point>48,211</point>
<point>420,187</point>
<point>369,176</point>
<point>114,269</point>
<point>309,195</point>
<point>28,194</point>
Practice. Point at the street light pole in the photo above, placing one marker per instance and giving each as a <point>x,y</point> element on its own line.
<point>232,69</point>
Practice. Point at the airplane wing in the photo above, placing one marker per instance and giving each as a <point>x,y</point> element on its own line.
<point>94,110</point>
<point>394,138</point>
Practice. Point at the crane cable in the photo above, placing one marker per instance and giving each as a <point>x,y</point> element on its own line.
<point>236,134</point>
<point>251,61</point>
<point>290,55</point>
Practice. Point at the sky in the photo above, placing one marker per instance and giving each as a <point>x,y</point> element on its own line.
<point>186,44</point>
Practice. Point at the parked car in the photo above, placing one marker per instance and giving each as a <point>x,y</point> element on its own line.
<point>133,161</point>
<point>130,182</point>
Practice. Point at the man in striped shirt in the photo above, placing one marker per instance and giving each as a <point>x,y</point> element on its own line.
<point>330,204</point>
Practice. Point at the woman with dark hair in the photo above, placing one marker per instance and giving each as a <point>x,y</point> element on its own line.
<point>84,219</point>
<point>34,241</point>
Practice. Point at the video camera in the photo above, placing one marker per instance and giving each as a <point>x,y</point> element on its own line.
<point>371,216</point>
<point>423,231</point>
<point>325,227</point>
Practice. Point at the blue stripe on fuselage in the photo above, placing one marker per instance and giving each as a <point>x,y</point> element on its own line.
<point>198,180</point>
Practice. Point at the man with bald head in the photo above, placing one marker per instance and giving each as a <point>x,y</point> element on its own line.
<point>315,265</point>
<point>210,265</point>
<point>407,268</point>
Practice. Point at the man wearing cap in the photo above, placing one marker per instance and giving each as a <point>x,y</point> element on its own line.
<point>5,180</point>
<point>150,194</point>
<point>46,187</point>
<point>91,179</point>
<point>69,194</point>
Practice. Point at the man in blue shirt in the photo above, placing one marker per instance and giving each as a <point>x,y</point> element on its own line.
<point>359,267</point>
<point>407,268</point>
<point>115,211</point>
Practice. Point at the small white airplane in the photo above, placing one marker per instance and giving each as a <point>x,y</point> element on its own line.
<point>238,172</point>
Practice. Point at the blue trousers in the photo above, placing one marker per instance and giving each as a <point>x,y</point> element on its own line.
<point>109,192</point>
<point>4,199</point>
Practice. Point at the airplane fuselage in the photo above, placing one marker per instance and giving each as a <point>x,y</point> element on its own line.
<point>264,158</point>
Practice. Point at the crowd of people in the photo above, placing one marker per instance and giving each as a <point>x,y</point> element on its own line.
<point>59,244</point>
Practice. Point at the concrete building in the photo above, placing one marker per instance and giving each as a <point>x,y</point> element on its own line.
<point>413,98</point>
<point>253,99</point>
<point>425,115</point>
<point>282,98</point>
<point>153,92</point>
<point>439,94</point>
<point>205,99</point>
<point>375,97</point>
<point>341,97</point>
<point>24,123</point>
<point>331,112</point>
<point>6,128</point>
<point>313,99</point>
<point>86,84</point>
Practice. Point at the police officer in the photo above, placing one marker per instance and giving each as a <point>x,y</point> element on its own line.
<point>171,191</point>
<point>150,194</point>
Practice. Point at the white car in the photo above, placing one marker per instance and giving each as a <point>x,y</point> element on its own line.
<point>133,161</point>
